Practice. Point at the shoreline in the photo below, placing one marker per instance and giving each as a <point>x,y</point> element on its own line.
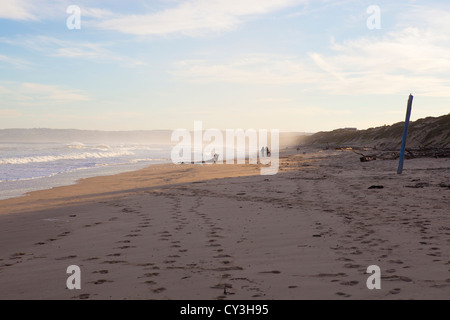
<point>49,194</point>
<point>8,203</point>
<point>67,178</point>
<point>76,188</point>
<point>195,232</point>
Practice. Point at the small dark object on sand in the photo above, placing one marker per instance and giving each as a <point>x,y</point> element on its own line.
<point>367,158</point>
<point>419,185</point>
<point>376,187</point>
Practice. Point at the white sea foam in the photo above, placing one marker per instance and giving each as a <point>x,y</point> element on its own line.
<point>104,147</point>
<point>26,167</point>
<point>49,175</point>
<point>149,159</point>
<point>72,156</point>
<point>76,145</point>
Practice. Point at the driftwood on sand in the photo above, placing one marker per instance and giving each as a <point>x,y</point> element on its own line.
<point>394,155</point>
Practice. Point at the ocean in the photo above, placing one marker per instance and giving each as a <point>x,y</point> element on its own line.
<point>26,167</point>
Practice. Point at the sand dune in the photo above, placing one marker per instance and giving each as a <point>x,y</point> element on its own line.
<point>430,132</point>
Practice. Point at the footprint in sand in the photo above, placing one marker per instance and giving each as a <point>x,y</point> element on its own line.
<point>144,224</point>
<point>17,255</point>
<point>344,259</point>
<point>101,271</point>
<point>396,261</point>
<point>101,281</point>
<point>342,294</point>
<point>158,290</point>
<point>349,283</point>
<point>66,258</point>
<point>132,235</point>
<point>396,278</point>
<point>352,266</point>
<point>323,275</point>
<point>147,264</point>
<point>169,261</point>
<point>222,286</point>
<point>395,291</point>
<point>149,275</point>
<point>125,247</point>
<point>390,271</point>
<point>114,261</point>
<point>91,259</point>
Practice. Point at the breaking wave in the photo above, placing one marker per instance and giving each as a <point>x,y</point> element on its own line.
<point>77,156</point>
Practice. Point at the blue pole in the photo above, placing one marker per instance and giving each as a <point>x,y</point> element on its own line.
<point>405,134</point>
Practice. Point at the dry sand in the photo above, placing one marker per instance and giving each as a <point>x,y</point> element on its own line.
<point>226,232</point>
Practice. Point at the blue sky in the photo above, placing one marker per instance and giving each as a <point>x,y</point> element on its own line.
<point>293,65</point>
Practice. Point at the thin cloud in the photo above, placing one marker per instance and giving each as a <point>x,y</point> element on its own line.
<point>53,93</point>
<point>273,100</point>
<point>96,13</point>
<point>17,62</point>
<point>195,17</point>
<point>17,10</point>
<point>249,69</point>
<point>407,59</point>
<point>31,94</point>
<point>38,10</point>
<point>9,113</point>
<point>54,47</point>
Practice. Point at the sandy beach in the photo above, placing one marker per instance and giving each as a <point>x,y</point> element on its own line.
<point>227,232</point>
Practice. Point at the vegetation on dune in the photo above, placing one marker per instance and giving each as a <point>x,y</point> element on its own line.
<point>428,132</point>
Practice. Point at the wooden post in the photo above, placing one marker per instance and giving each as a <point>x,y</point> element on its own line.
<point>405,134</point>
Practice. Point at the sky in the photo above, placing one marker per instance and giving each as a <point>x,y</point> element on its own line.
<point>292,65</point>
